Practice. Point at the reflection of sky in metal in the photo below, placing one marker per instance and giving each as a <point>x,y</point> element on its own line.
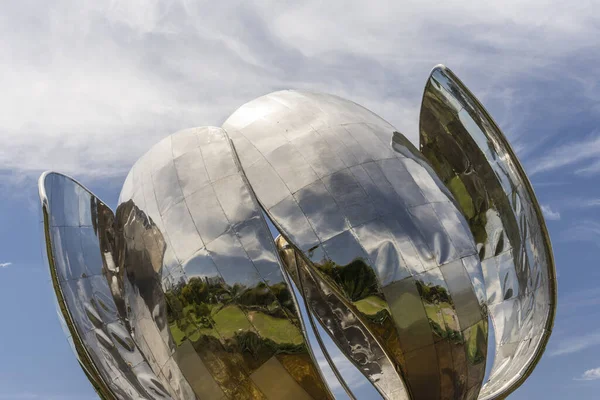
<point>356,381</point>
<point>341,195</point>
<point>383,247</point>
<point>474,158</point>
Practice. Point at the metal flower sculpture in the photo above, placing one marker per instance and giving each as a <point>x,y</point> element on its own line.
<point>231,248</point>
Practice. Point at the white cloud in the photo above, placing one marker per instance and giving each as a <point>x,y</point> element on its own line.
<point>574,344</point>
<point>578,299</point>
<point>581,202</point>
<point>590,375</point>
<point>586,231</point>
<point>574,153</point>
<point>89,88</point>
<point>5,264</point>
<point>591,203</point>
<point>591,169</point>
<point>549,213</point>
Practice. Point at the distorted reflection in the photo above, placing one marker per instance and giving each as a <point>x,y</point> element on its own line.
<point>474,160</point>
<point>365,229</point>
<point>307,238</point>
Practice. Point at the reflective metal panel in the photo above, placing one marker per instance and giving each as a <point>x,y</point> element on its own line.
<point>347,329</point>
<point>226,302</point>
<point>80,245</point>
<point>373,233</point>
<point>475,161</point>
<point>194,282</point>
<point>184,293</point>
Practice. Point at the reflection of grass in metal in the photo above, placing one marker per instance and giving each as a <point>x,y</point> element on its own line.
<point>441,130</point>
<point>458,189</point>
<point>443,321</point>
<point>176,333</point>
<point>277,329</point>
<point>476,343</point>
<point>191,332</point>
<point>434,314</point>
<point>371,305</point>
<point>230,319</point>
<point>180,331</point>
<point>203,332</point>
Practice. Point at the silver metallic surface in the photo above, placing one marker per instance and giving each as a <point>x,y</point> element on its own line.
<point>380,236</point>
<point>475,161</point>
<point>82,267</point>
<point>203,296</point>
<point>184,293</point>
<point>229,307</point>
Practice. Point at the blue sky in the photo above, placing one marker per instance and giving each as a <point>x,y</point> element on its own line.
<point>87,87</point>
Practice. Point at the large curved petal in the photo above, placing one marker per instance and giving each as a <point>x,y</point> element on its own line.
<point>475,161</point>
<point>202,279</point>
<point>374,222</point>
<point>345,327</point>
<point>78,228</point>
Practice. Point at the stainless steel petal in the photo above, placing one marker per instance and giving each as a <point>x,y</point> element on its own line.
<point>475,161</point>
<point>206,288</point>
<point>397,256</point>
<point>370,219</point>
<point>80,243</point>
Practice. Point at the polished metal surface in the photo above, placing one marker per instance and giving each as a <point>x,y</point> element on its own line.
<point>189,289</point>
<point>230,320</point>
<point>383,247</point>
<point>79,232</point>
<point>193,266</point>
<point>475,161</point>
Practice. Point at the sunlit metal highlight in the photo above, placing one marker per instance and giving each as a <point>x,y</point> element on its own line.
<point>399,255</point>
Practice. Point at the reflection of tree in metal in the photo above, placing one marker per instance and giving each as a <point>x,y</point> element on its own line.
<point>399,256</point>
<point>363,337</point>
<point>474,160</point>
<point>86,278</point>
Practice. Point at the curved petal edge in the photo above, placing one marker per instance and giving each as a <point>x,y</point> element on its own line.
<point>476,162</point>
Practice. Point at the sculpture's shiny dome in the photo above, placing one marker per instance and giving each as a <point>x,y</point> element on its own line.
<point>230,245</point>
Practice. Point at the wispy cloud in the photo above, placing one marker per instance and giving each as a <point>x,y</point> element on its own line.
<point>590,375</point>
<point>573,301</point>
<point>585,231</point>
<point>591,203</point>
<point>549,213</point>
<point>574,344</point>
<point>575,153</point>
<point>5,264</point>
<point>591,169</point>
<point>90,88</point>
<point>581,202</point>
